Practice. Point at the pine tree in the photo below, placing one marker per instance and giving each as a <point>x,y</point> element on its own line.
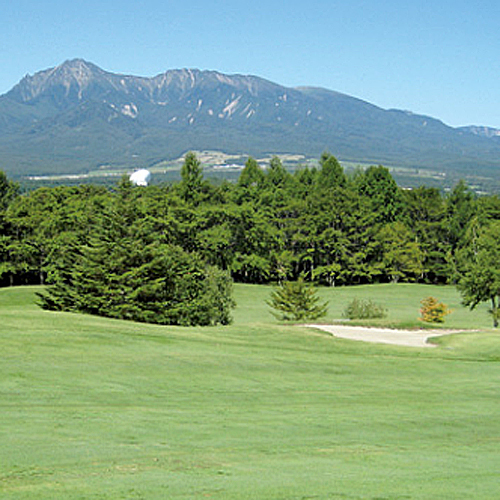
<point>296,301</point>
<point>192,178</point>
<point>331,174</point>
<point>120,271</point>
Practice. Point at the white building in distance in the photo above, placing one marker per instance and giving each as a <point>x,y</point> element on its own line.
<point>140,177</point>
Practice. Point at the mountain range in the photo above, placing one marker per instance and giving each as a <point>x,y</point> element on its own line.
<point>77,117</point>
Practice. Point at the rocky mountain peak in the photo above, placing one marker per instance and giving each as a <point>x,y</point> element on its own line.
<point>72,77</point>
<point>76,79</point>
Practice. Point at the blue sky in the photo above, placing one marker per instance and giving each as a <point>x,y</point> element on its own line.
<point>439,58</point>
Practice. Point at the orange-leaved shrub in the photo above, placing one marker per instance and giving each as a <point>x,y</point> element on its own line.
<point>433,311</point>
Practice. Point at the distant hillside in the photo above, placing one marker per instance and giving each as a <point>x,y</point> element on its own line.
<point>77,117</point>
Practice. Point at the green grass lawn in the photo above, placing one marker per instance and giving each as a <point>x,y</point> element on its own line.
<point>93,408</point>
<point>403,304</point>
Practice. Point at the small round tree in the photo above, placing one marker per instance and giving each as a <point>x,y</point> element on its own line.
<point>433,311</point>
<point>296,301</point>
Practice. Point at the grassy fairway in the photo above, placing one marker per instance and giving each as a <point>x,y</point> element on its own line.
<point>102,409</point>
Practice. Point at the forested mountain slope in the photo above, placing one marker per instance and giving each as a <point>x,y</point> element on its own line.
<point>77,117</point>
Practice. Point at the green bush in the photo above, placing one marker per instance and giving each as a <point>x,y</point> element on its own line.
<point>364,309</point>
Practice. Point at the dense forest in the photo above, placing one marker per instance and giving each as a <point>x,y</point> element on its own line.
<point>269,226</point>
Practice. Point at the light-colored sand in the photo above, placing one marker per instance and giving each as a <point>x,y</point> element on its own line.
<point>384,336</point>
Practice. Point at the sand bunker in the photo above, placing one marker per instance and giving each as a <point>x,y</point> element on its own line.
<point>411,338</point>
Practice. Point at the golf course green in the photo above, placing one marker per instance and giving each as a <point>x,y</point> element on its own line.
<point>94,408</point>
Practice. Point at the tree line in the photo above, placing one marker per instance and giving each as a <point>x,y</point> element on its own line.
<point>270,226</point>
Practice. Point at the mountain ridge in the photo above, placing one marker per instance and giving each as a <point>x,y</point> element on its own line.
<point>76,117</point>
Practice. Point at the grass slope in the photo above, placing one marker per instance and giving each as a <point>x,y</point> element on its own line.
<point>102,409</point>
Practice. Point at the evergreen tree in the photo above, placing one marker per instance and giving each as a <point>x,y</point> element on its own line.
<point>461,207</point>
<point>425,213</point>
<point>276,176</point>
<point>331,174</point>
<point>122,272</point>
<point>192,178</point>
<point>251,175</point>
<point>296,301</point>
<point>9,190</point>
<point>401,254</point>
<point>250,182</point>
<point>380,188</point>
